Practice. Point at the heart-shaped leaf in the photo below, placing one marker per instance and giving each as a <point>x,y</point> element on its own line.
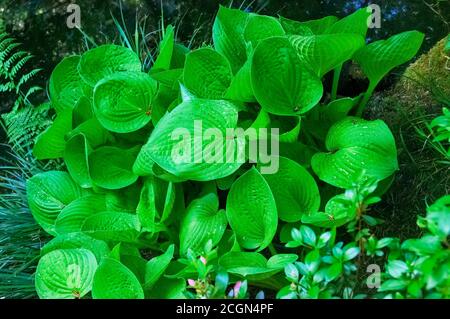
<point>260,27</point>
<point>282,84</point>
<point>156,266</point>
<point>77,240</point>
<point>228,36</point>
<point>102,61</point>
<point>294,189</point>
<point>72,217</point>
<point>357,23</point>
<point>327,51</point>
<point>207,73</point>
<point>115,281</point>
<point>251,211</point>
<point>203,222</point>
<point>180,143</point>
<point>356,146</point>
<point>113,226</point>
<point>48,193</point>
<point>76,158</point>
<point>111,167</point>
<point>317,26</point>
<point>51,143</point>
<point>66,87</point>
<point>241,88</point>
<point>123,101</point>
<point>65,274</point>
<point>378,58</point>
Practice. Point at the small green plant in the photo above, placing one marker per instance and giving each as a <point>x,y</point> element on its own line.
<point>160,198</point>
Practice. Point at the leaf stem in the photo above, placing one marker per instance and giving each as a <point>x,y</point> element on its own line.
<point>272,249</point>
<point>336,76</point>
<point>367,96</point>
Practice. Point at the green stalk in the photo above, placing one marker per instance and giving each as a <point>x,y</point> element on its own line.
<point>367,96</point>
<point>336,76</point>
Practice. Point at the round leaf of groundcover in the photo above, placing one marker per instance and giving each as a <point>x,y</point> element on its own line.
<point>123,101</point>
<point>105,60</point>
<point>115,281</point>
<point>260,27</point>
<point>111,167</point>
<point>203,222</point>
<point>251,211</point>
<point>66,86</point>
<point>48,193</point>
<point>356,146</point>
<point>77,240</point>
<point>180,143</point>
<point>65,274</point>
<point>294,189</point>
<point>282,84</point>
<point>207,73</point>
<point>72,217</point>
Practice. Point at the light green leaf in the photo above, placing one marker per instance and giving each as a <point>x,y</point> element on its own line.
<point>76,159</point>
<point>251,211</point>
<point>327,51</point>
<point>282,84</point>
<point>176,147</point>
<point>104,60</point>
<point>66,87</point>
<point>50,144</point>
<point>292,27</point>
<point>165,51</point>
<point>48,193</point>
<point>156,266</point>
<point>203,222</point>
<point>77,240</point>
<point>294,189</point>
<point>357,23</point>
<point>241,88</point>
<point>228,36</point>
<point>113,226</point>
<point>94,132</point>
<point>207,73</point>
<point>111,167</point>
<point>356,146</point>
<point>115,281</point>
<point>260,27</point>
<point>72,217</point>
<point>319,26</point>
<point>123,101</point>
<point>378,58</point>
<point>65,274</point>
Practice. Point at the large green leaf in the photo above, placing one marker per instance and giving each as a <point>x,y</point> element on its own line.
<point>72,217</point>
<point>203,222</point>
<point>357,23</point>
<point>378,58</point>
<point>94,132</point>
<point>207,73</point>
<point>356,146</point>
<point>176,143</point>
<point>156,266</point>
<point>48,193</point>
<point>326,51</point>
<point>260,27</point>
<point>123,101</point>
<point>165,50</point>
<point>77,240</point>
<point>50,144</point>
<point>115,281</point>
<point>320,26</point>
<point>240,88</point>
<point>255,266</point>
<point>65,274</point>
<point>282,84</point>
<point>111,167</point>
<point>294,189</point>
<point>104,60</point>
<point>251,211</point>
<point>76,158</point>
<point>66,87</point>
<point>112,226</point>
<point>228,36</point>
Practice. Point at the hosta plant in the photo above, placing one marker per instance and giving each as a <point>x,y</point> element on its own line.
<point>160,196</point>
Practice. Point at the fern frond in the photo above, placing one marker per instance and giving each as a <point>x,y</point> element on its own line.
<point>18,59</point>
<point>25,78</point>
